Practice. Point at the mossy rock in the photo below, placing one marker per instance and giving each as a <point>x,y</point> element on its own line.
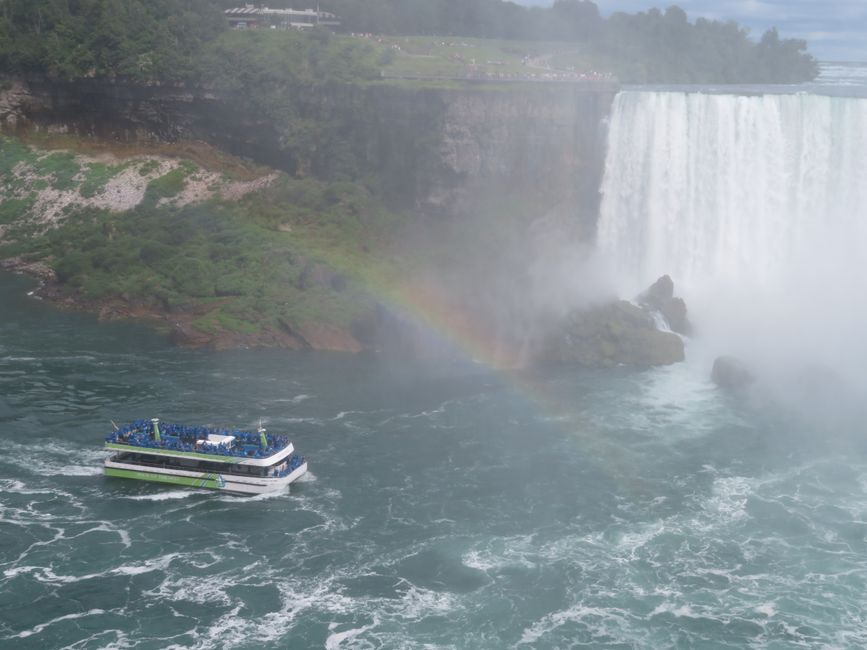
<point>617,333</point>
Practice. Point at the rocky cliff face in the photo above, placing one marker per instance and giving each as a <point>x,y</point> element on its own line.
<point>437,150</point>
<point>544,142</point>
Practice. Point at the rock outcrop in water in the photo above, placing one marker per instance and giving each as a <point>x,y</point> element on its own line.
<point>660,297</point>
<point>732,374</point>
<point>619,333</point>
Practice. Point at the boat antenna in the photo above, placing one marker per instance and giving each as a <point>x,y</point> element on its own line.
<point>116,428</point>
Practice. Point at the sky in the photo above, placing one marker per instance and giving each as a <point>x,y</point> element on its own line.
<point>836,30</point>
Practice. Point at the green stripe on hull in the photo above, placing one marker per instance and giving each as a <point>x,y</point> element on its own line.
<point>169,452</point>
<point>211,481</point>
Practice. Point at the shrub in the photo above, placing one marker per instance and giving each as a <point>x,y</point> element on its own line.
<point>13,209</point>
<point>166,186</point>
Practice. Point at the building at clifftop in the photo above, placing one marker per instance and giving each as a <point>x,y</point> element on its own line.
<point>252,17</point>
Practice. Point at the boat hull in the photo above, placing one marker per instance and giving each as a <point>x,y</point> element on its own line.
<point>203,480</point>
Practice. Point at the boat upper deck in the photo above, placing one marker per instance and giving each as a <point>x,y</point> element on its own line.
<point>221,445</point>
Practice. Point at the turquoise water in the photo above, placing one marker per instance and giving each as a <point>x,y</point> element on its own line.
<point>445,508</point>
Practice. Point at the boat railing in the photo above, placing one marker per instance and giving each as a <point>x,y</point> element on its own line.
<point>176,437</point>
<point>291,464</point>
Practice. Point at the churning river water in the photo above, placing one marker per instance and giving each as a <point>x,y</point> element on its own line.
<point>443,509</point>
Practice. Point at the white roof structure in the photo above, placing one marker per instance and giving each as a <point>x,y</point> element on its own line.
<point>301,17</point>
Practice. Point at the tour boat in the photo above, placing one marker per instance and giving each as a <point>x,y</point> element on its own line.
<point>241,462</point>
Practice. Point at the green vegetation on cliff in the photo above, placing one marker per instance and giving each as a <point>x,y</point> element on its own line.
<point>290,255</point>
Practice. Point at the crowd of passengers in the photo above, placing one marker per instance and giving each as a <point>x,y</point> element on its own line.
<point>178,437</point>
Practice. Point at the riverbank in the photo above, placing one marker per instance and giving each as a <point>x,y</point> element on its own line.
<point>217,252</point>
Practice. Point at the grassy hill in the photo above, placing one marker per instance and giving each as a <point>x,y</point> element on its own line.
<point>228,249</point>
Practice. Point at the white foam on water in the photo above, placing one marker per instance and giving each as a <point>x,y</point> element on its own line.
<point>296,420</point>
<point>297,399</point>
<point>728,500</point>
<point>170,495</point>
<point>322,504</point>
<point>103,527</point>
<point>343,414</point>
<point>58,459</point>
<point>629,543</point>
<point>418,603</point>
<point>120,641</point>
<point>497,554</point>
<point>68,617</point>
<point>233,629</point>
<point>19,487</point>
<point>766,609</point>
<point>20,570</point>
<point>431,413</point>
<point>49,576</point>
<point>160,563</point>
<point>124,537</point>
<point>678,611</point>
<point>336,640</point>
<point>196,589</point>
<point>280,493</point>
<point>599,621</point>
<point>80,470</point>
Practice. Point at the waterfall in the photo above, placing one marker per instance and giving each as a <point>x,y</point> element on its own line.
<point>712,188</point>
<point>757,208</point>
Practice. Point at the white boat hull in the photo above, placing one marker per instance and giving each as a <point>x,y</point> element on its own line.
<point>208,480</point>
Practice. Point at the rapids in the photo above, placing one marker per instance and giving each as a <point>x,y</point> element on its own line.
<point>447,508</point>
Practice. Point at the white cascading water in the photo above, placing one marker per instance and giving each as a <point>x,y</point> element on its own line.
<point>755,205</point>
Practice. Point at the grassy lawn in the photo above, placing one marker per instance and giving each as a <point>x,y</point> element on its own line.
<point>438,56</point>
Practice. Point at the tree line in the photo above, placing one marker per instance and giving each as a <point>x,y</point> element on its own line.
<point>139,39</point>
<point>173,39</point>
<point>649,47</point>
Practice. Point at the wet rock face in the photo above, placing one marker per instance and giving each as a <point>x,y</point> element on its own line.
<point>732,374</point>
<point>660,297</point>
<point>435,149</point>
<point>618,333</point>
<point>623,333</point>
<point>184,335</point>
<point>40,270</point>
<point>13,96</point>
